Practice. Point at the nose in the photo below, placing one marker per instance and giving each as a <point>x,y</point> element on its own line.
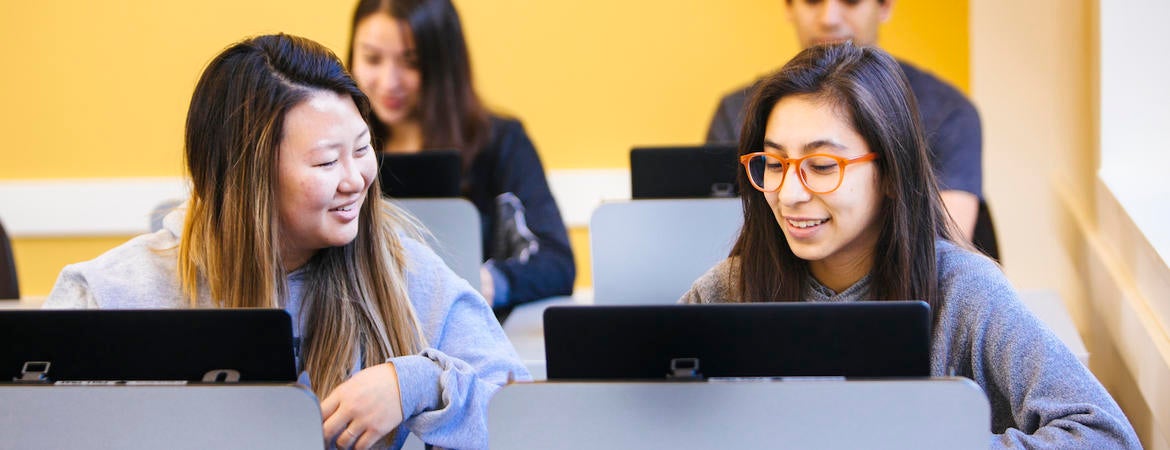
<point>829,14</point>
<point>392,77</point>
<point>792,191</point>
<point>353,179</point>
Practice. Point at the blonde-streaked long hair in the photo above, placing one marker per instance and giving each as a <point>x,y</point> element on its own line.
<point>355,298</point>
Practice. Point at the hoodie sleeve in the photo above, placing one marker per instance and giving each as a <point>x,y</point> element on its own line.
<point>446,388</point>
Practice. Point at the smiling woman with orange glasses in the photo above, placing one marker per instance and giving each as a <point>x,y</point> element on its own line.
<point>866,222</point>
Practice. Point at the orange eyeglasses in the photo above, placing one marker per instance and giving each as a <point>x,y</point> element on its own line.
<point>819,173</point>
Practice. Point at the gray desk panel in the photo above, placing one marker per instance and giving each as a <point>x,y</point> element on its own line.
<point>155,417</point>
<point>947,413</point>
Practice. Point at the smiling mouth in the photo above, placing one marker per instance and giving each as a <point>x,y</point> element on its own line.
<point>348,207</point>
<point>806,223</point>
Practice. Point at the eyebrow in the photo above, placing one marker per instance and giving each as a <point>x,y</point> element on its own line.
<point>368,46</point>
<point>331,144</point>
<point>814,145</point>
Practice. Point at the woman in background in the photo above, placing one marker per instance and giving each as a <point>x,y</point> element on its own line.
<point>861,219</point>
<point>410,58</point>
<point>285,212</point>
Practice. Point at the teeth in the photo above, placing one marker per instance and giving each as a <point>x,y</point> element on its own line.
<point>806,223</point>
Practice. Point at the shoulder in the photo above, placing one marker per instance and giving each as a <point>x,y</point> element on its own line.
<point>935,96</point>
<point>958,266</point>
<point>970,281</point>
<point>738,97</point>
<point>141,273</point>
<point>427,276</point>
<point>509,139</point>
<point>504,128</point>
<point>510,150</point>
<point>718,285</point>
<point>418,257</point>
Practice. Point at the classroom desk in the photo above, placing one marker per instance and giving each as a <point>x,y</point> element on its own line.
<point>525,326</point>
<point>162,416</point>
<point>926,413</point>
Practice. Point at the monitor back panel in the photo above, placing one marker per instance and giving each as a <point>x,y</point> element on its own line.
<point>857,339</point>
<point>426,174</point>
<point>150,345</point>
<point>683,172</point>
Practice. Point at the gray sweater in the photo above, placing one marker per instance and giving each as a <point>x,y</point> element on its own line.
<point>1040,395</point>
<point>445,389</point>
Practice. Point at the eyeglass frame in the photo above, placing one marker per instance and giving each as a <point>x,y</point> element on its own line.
<point>842,163</point>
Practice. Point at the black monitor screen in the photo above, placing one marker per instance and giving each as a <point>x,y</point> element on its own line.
<point>426,174</point>
<point>856,339</point>
<point>147,345</point>
<point>684,172</point>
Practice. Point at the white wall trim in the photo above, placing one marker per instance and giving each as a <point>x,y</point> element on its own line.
<point>579,191</point>
<point>84,207</point>
<point>121,206</point>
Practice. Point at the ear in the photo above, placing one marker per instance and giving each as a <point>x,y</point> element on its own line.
<point>886,9</point>
<point>788,11</point>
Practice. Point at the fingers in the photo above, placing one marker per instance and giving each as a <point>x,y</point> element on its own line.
<point>330,404</point>
<point>334,425</point>
<point>350,438</point>
<point>366,441</point>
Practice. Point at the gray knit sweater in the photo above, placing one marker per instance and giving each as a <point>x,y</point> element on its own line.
<point>445,389</point>
<point>1040,395</point>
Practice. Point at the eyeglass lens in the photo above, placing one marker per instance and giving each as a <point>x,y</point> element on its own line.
<point>819,173</point>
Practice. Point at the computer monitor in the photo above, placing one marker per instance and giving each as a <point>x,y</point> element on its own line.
<point>174,345</point>
<point>855,339</point>
<point>425,174</point>
<point>684,171</point>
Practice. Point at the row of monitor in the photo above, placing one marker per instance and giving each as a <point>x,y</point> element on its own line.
<point>655,172</point>
<point>659,342</point>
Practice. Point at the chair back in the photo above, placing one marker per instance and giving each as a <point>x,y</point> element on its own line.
<point>652,251</point>
<point>455,225</point>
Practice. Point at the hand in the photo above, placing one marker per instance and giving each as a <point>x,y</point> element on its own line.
<point>486,286</point>
<point>363,409</point>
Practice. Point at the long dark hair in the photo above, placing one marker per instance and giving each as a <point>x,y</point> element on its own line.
<point>355,296</point>
<point>869,89</point>
<point>451,115</point>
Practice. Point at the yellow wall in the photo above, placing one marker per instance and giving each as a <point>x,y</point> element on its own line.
<point>99,89</point>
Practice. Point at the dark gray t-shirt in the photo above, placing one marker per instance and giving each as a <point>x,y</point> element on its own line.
<point>950,121</point>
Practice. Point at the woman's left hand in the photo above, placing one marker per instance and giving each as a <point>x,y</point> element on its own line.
<point>363,409</point>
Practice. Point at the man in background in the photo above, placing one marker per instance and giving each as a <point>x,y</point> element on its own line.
<point>949,120</point>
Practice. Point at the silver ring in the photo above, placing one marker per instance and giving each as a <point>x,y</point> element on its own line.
<point>351,433</point>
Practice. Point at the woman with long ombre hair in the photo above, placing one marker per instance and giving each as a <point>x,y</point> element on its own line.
<point>285,212</point>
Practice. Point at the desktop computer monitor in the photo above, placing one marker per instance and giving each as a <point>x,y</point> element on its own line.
<point>173,345</point>
<point>425,174</point>
<point>658,342</point>
<point>684,171</point>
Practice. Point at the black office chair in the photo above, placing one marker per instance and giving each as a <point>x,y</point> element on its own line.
<point>9,288</point>
<point>984,235</point>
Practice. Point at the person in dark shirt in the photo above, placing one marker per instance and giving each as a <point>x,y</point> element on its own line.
<point>410,58</point>
<point>953,131</point>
